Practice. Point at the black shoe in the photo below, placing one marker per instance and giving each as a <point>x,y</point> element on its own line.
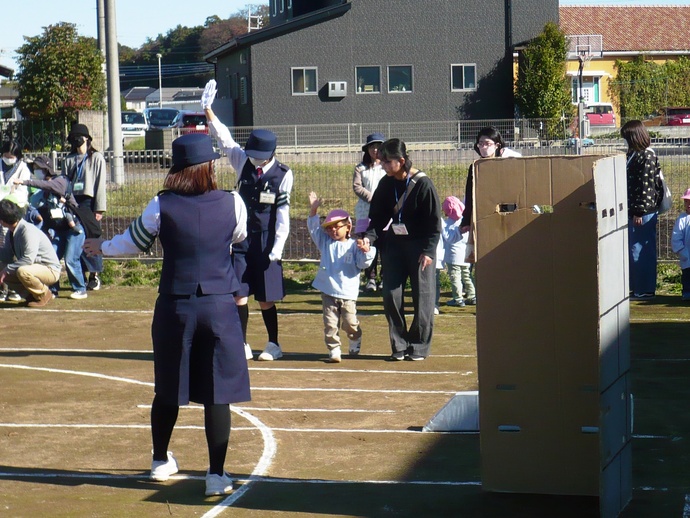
<point>94,282</point>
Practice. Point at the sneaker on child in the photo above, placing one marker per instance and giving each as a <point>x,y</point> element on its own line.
<point>334,355</point>
<point>355,346</point>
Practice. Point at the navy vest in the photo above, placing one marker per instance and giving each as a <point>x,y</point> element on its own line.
<point>261,217</point>
<point>196,235</point>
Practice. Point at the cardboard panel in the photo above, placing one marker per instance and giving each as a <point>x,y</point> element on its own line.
<point>542,365</point>
<point>615,425</point>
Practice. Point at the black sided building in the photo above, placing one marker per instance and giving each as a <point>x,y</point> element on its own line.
<point>340,61</point>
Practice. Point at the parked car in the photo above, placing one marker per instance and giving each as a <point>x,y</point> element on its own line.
<point>133,124</point>
<point>160,118</point>
<point>191,122</point>
<point>677,116</point>
<point>601,114</point>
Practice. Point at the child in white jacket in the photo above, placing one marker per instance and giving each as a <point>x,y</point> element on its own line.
<point>342,261</point>
<point>680,243</point>
<point>455,244</point>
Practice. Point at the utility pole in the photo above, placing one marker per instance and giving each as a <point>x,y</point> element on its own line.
<point>117,175</point>
<point>100,12</point>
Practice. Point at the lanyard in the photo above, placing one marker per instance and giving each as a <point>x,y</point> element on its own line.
<point>407,183</point>
<point>80,169</point>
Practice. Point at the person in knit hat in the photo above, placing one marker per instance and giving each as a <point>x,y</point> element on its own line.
<point>455,245</point>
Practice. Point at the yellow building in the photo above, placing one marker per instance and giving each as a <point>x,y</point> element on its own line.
<point>660,33</point>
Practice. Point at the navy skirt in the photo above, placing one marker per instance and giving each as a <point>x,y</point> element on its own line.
<point>198,350</point>
<point>258,275</point>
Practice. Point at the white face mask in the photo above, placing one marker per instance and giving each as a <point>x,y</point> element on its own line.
<point>39,174</point>
<point>9,161</point>
<point>256,162</point>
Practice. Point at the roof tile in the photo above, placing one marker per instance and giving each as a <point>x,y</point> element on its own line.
<point>631,28</point>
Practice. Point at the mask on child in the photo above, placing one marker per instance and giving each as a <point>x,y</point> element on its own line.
<point>9,161</point>
<point>256,162</point>
<point>39,174</point>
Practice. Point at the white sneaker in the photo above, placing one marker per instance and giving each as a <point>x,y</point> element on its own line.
<point>355,346</point>
<point>13,296</point>
<point>162,469</point>
<point>334,355</point>
<point>78,295</point>
<point>248,354</point>
<point>271,352</point>
<point>218,485</point>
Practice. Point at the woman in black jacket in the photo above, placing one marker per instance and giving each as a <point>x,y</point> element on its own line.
<point>405,215</point>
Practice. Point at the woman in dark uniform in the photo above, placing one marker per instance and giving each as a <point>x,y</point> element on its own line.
<point>197,337</point>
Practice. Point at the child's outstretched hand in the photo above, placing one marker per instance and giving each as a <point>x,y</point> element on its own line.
<point>364,245</point>
<point>314,203</point>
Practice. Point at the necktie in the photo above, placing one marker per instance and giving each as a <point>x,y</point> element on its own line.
<point>259,172</point>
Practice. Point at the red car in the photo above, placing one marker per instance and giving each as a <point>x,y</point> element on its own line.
<point>678,116</point>
<point>601,114</point>
<point>190,122</point>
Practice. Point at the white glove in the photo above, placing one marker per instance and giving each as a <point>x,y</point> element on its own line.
<point>209,94</point>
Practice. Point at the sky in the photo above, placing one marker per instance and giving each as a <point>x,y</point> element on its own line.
<point>137,20</point>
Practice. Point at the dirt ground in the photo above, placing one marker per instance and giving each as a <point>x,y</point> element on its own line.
<point>316,440</point>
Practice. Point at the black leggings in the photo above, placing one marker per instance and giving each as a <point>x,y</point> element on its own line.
<point>216,424</point>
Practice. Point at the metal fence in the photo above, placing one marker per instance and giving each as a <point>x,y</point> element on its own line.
<point>323,157</point>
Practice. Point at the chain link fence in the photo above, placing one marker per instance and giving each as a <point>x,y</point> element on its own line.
<point>323,157</point>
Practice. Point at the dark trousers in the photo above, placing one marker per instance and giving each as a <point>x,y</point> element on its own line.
<point>685,280</point>
<point>400,262</point>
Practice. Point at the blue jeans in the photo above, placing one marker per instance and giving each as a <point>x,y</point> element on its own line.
<point>68,244</point>
<point>642,254</point>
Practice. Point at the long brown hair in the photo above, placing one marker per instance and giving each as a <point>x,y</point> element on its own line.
<point>636,135</point>
<point>193,179</point>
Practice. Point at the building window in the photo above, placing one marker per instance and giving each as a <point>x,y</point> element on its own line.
<point>400,78</point>
<point>304,81</point>
<point>368,80</point>
<point>243,58</point>
<point>243,90</point>
<point>463,78</point>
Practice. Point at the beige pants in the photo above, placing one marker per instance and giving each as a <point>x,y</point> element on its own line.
<point>333,311</point>
<point>34,279</point>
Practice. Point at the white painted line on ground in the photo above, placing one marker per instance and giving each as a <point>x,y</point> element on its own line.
<point>261,409</point>
<point>267,480</point>
<point>357,371</point>
<point>270,445</point>
<point>200,427</point>
<point>387,391</point>
<point>333,369</point>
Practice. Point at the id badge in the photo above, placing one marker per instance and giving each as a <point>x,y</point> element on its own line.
<point>79,186</point>
<point>399,229</point>
<point>56,213</point>
<point>267,197</point>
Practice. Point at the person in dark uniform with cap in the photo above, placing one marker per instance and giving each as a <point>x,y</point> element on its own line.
<point>265,185</point>
<point>198,350</point>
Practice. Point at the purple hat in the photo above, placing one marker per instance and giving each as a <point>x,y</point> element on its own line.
<point>334,216</point>
<point>686,196</point>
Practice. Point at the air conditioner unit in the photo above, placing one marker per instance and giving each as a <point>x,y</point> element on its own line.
<point>337,88</point>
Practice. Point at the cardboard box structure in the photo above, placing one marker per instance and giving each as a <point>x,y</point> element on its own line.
<point>553,326</point>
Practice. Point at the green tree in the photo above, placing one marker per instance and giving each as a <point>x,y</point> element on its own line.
<point>643,87</point>
<point>542,89</point>
<point>59,74</point>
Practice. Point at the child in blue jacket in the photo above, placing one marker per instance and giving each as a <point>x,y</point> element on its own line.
<point>342,261</point>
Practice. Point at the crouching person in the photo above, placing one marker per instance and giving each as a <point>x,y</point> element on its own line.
<point>28,261</point>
